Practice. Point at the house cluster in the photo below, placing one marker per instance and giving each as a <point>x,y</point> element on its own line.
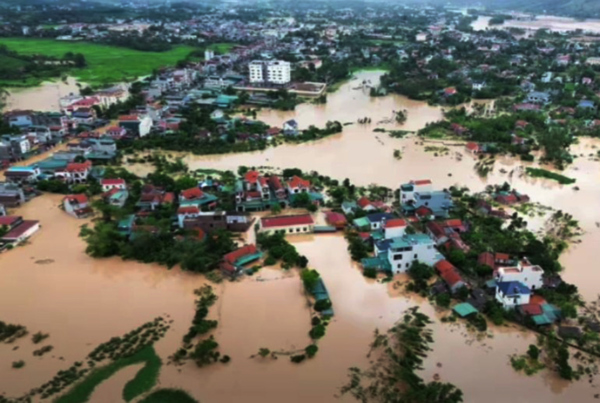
<point>256,192</point>
<point>72,166</point>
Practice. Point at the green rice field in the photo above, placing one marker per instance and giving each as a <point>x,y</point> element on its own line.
<point>105,64</point>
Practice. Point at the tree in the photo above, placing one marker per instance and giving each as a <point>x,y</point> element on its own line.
<point>102,241</point>
<point>311,350</point>
<point>205,352</point>
<point>263,352</point>
<point>185,182</point>
<point>533,352</point>
<point>310,278</point>
<point>322,305</point>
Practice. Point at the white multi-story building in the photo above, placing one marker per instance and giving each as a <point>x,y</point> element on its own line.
<point>401,252</point>
<point>273,72</point>
<point>525,273</point>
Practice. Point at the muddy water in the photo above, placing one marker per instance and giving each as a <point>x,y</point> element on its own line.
<point>50,285</point>
<point>551,23</point>
<point>42,98</point>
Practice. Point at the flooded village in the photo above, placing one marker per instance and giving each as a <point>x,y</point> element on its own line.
<point>291,236</point>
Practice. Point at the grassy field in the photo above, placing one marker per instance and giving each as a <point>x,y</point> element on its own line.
<point>144,380</point>
<point>221,48</point>
<point>106,64</point>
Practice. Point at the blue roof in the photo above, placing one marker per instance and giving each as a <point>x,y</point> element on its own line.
<point>513,288</point>
<point>378,217</point>
<point>586,103</point>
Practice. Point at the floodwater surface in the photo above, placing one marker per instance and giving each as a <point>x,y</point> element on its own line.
<point>51,285</point>
<point>44,97</point>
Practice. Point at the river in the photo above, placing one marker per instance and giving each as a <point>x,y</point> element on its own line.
<point>51,285</point>
<point>551,23</point>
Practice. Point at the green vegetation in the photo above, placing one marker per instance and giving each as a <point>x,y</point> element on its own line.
<point>279,248</point>
<point>311,350</point>
<point>105,64</point>
<point>83,391</point>
<point>145,379</point>
<point>394,377</point>
<point>18,364</point>
<point>40,352</point>
<point>38,337</point>
<point>10,332</point>
<point>168,396</point>
<point>543,173</point>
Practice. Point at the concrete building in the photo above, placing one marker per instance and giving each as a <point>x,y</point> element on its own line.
<point>272,72</point>
<point>512,294</point>
<point>403,251</point>
<point>293,224</point>
<point>524,272</point>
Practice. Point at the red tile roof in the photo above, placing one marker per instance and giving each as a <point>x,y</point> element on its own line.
<point>422,182</point>
<point>285,221</point>
<point>19,230</point>
<point>436,229</point>
<point>109,182</point>
<point>363,202</point>
<point>334,218</point>
<point>191,194</point>
<point>471,146</point>
<point>486,259</point>
<point>454,223</point>
<point>168,197</point>
<point>297,181</point>
<point>79,166</point>
<point>188,210</point>
<point>9,220</point>
<point>537,299</point>
<point>232,257</point>
<point>451,277</point>
<point>251,176</point>
<point>423,211</point>
<point>275,182</point>
<point>532,309</point>
<point>444,265</point>
<point>395,223</point>
<point>78,198</point>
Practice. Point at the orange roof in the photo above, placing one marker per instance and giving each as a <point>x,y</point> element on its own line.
<point>79,166</point>
<point>454,223</point>
<point>188,210</point>
<point>297,181</point>
<point>193,193</point>
<point>395,223</point>
<point>251,176</point>
<point>422,182</point>
<point>444,265</point>
<point>232,257</point>
<point>128,118</point>
<point>363,202</point>
<point>79,198</point>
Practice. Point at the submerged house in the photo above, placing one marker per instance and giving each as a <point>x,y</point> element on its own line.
<point>233,262</point>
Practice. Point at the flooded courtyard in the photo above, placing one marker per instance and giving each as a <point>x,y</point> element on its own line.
<point>51,285</point>
<point>44,97</point>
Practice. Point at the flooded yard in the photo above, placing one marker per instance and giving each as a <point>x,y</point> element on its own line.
<point>43,98</point>
<point>51,285</point>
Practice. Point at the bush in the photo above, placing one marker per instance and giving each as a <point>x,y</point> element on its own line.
<point>443,300</point>
<point>315,321</point>
<point>296,359</point>
<point>533,352</point>
<point>225,359</point>
<point>317,332</point>
<point>270,261</point>
<point>18,364</point>
<point>370,273</point>
<point>322,305</point>
<point>311,350</point>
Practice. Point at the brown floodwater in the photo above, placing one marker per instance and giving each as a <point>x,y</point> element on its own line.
<point>50,285</point>
<point>551,23</point>
<point>44,97</point>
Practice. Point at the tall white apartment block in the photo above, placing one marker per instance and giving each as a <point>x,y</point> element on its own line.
<point>209,54</point>
<point>256,72</point>
<point>274,72</point>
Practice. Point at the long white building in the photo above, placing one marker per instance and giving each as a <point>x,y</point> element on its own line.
<point>273,72</point>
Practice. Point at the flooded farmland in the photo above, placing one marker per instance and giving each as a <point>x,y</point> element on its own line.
<point>551,23</point>
<point>44,97</point>
<point>51,285</point>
